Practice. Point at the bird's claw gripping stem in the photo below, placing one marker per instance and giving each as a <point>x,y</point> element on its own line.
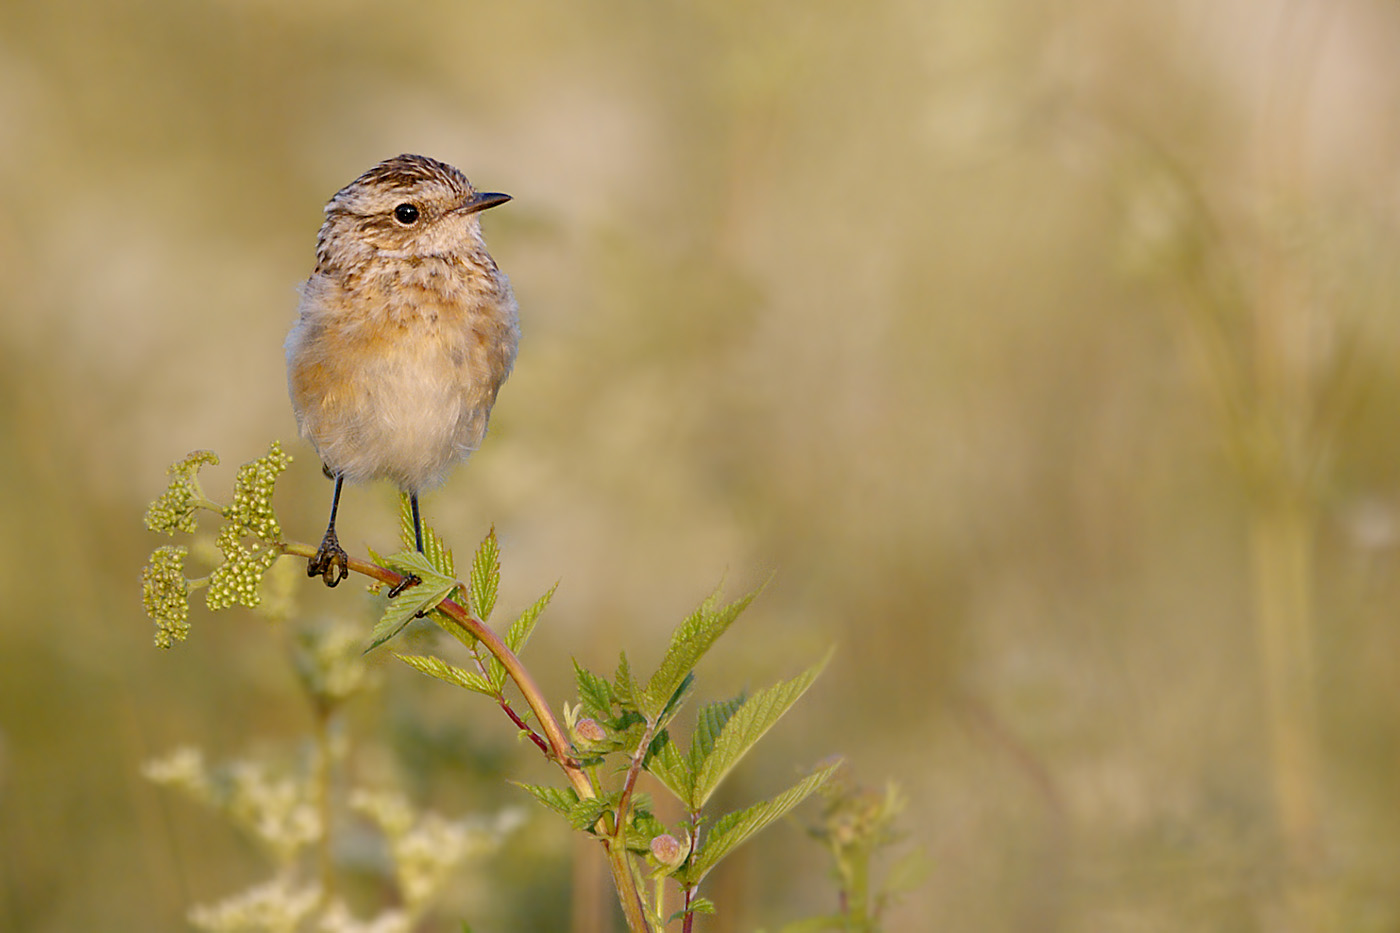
<point>331,563</point>
<point>411,580</point>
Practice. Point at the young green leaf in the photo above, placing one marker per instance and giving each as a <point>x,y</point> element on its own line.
<point>708,725</point>
<point>593,692</point>
<point>406,535</point>
<point>515,638</point>
<point>519,632</point>
<point>673,705</point>
<point>666,763</point>
<point>486,576</point>
<point>700,905</point>
<point>644,827</point>
<point>436,667</point>
<point>432,589</point>
<point>375,557</point>
<point>438,554</point>
<point>624,689</point>
<point>691,639</point>
<point>734,829</point>
<point>559,799</point>
<point>745,727</point>
<point>589,810</point>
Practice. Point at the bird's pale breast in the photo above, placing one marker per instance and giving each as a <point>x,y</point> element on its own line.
<point>395,377</point>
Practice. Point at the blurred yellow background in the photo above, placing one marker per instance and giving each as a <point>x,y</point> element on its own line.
<point>1044,354</point>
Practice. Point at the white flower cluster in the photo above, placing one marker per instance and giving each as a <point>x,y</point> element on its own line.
<point>331,661</point>
<point>427,847</point>
<point>279,906</point>
<point>337,918</point>
<point>183,768</point>
<point>279,812</point>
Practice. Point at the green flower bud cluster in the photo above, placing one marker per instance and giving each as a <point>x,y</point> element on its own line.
<point>250,540</point>
<point>166,594</point>
<point>174,510</point>
<point>237,579</point>
<point>251,507</point>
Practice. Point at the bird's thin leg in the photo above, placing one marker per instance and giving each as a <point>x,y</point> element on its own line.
<point>417,522</point>
<point>412,579</point>
<point>331,562</point>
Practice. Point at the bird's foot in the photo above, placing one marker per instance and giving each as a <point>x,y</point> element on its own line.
<point>331,563</point>
<point>411,580</point>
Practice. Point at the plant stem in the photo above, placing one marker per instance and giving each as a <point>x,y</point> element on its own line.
<point>689,920</point>
<point>558,743</point>
<point>504,704</point>
<point>692,832</point>
<point>858,897</point>
<point>633,770</point>
<point>628,893</point>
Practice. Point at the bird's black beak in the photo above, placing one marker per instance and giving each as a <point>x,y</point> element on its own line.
<point>481,201</point>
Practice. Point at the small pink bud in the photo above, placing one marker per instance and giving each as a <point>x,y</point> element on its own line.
<point>590,731</point>
<point>667,850</point>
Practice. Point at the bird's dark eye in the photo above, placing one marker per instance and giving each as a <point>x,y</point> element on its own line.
<point>406,214</point>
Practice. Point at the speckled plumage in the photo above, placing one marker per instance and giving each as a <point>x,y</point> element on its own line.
<point>406,327</point>
<point>405,333</point>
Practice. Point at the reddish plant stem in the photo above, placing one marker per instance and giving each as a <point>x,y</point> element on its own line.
<point>633,770</point>
<point>556,745</point>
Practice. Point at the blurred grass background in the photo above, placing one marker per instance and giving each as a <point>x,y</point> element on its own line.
<point>1044,353</point>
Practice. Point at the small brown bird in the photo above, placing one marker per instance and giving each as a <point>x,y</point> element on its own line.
<point>405,333</point>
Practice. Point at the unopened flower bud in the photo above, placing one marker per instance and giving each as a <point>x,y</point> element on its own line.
<point>590,731</point>
<point>667,850</point>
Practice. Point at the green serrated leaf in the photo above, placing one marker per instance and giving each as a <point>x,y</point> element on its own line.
<point>486,576</point>
<point>700,905</point>
<point>666,763</point>
<point>433,548</point>
<point>406,536</point>
<point>519,632</point>
<point>436,667</point>
<point>734,829</point>
<point>593,692</point>
<point>438,554</point>
<point>517,636</point>
<point>559,799</point>
<point>745,726</point>
<point>673,705</point>
<point>708,725</point>
<point>691,639</point>
<point>642,829</point>
<point>495,672</point>
<point>624,688</point>
<point>589,810</point>
<point>452,627</point>
<point>628,728</point>
<point>416,600</point>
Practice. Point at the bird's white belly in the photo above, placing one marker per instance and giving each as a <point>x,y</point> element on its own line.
<point>415,417</point>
